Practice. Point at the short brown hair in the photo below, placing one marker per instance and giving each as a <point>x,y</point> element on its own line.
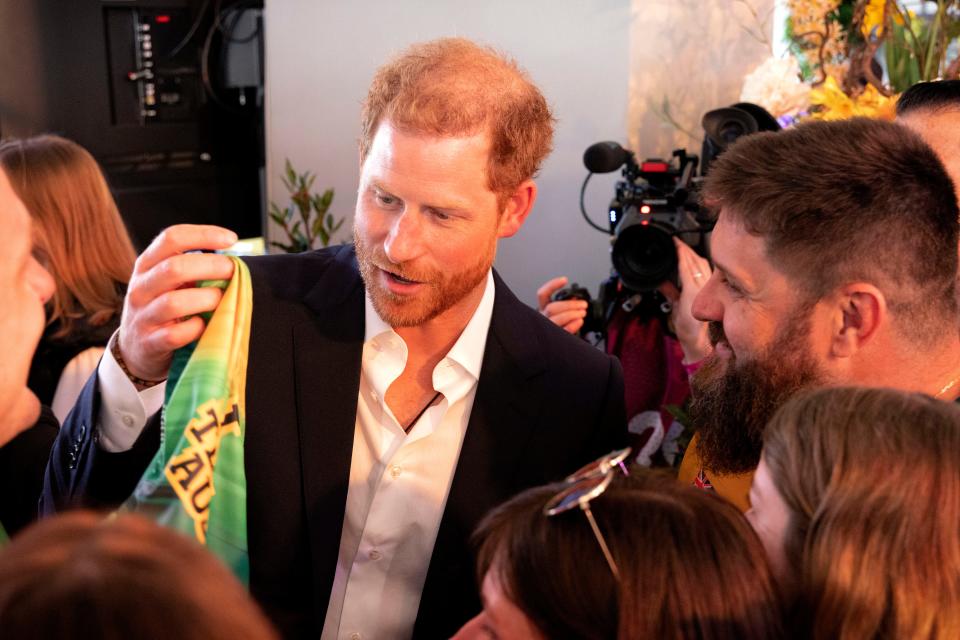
<point>871,480</point>
<point>850,200</point>
<point>454,87</point>
<point>76,227</point>
<point>690,565</point>
<point>79,575</point>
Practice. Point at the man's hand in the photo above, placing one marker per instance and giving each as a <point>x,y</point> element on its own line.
<point>566,314</point>
<point>162,303</point>
<point>694,271</point>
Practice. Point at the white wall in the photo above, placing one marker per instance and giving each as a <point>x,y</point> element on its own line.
<point>320,56</point>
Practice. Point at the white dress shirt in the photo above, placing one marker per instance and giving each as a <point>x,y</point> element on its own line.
<point>123,411</point>
<point>399,481</point>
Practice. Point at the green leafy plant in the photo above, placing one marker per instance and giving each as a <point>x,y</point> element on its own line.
<point>306,219</point>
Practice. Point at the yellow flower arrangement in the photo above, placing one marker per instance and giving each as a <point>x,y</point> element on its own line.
<point>837,43</point>
<point>831,103</point>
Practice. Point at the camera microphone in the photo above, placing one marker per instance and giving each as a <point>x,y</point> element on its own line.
<point>604,157</point>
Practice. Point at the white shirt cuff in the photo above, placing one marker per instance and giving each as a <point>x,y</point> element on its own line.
<point>123,411</point>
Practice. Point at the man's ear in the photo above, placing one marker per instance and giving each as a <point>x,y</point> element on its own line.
<point>517,208</point>
<point>861,312</point>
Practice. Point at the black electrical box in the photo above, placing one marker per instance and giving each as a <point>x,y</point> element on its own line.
<point>143,85</point>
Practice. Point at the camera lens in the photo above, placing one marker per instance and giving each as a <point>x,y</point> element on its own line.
<point>730,131</point>
<point>644,255</point>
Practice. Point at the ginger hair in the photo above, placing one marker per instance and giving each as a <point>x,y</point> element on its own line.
<point>455,87</point>
<point>77,230</point>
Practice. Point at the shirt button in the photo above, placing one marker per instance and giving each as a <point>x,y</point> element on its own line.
<point>374,396</point>
<point>396,470</point>
<point>128,419</point>
<point>375,555</point>
<point>355,636</point>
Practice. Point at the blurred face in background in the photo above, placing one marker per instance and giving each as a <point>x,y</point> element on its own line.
<point>939,128</point>
<point>769,517</point>
<point>24,289</point>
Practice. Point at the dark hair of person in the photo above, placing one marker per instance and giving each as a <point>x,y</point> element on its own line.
<point>929,96</point>
<point>871,482</point>
<point>848,201</point>
<point>690,565</point>
<point>79,575</point>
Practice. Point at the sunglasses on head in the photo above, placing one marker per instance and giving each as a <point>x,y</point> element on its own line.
<point>585,485</point>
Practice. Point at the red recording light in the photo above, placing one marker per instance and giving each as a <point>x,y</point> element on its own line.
<point>655,167</point>
<point>645,208</point>
<point>162,18</point>
<point>644,223</point>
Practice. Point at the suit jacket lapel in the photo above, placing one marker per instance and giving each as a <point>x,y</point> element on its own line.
<point>327,353</point>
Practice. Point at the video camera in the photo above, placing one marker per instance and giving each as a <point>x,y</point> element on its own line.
<point>656,201</point>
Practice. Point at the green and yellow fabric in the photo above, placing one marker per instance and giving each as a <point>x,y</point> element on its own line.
<point>196,482</point>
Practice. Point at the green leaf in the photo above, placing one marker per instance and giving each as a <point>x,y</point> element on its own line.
<point>314,221</point>
<point>318,206</point>
<point>280,245</point>
<point>338,225</point>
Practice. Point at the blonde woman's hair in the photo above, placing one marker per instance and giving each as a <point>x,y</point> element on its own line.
<point>77,230</point>
<point>871,479</point>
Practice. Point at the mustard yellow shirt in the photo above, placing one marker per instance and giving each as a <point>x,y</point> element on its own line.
<point>735,488</point>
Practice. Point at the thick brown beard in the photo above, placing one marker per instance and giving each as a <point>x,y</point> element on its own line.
<point>732,402</point>
<point>443,290</point>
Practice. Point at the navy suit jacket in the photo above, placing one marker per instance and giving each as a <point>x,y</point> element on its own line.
<point>546,402</point>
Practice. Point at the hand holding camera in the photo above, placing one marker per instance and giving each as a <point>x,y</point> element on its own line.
<point>566,311</point>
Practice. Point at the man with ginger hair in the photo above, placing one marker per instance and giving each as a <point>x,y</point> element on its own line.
<point>396,389</point>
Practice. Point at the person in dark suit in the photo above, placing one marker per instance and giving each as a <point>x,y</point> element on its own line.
<point>396,388</point>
